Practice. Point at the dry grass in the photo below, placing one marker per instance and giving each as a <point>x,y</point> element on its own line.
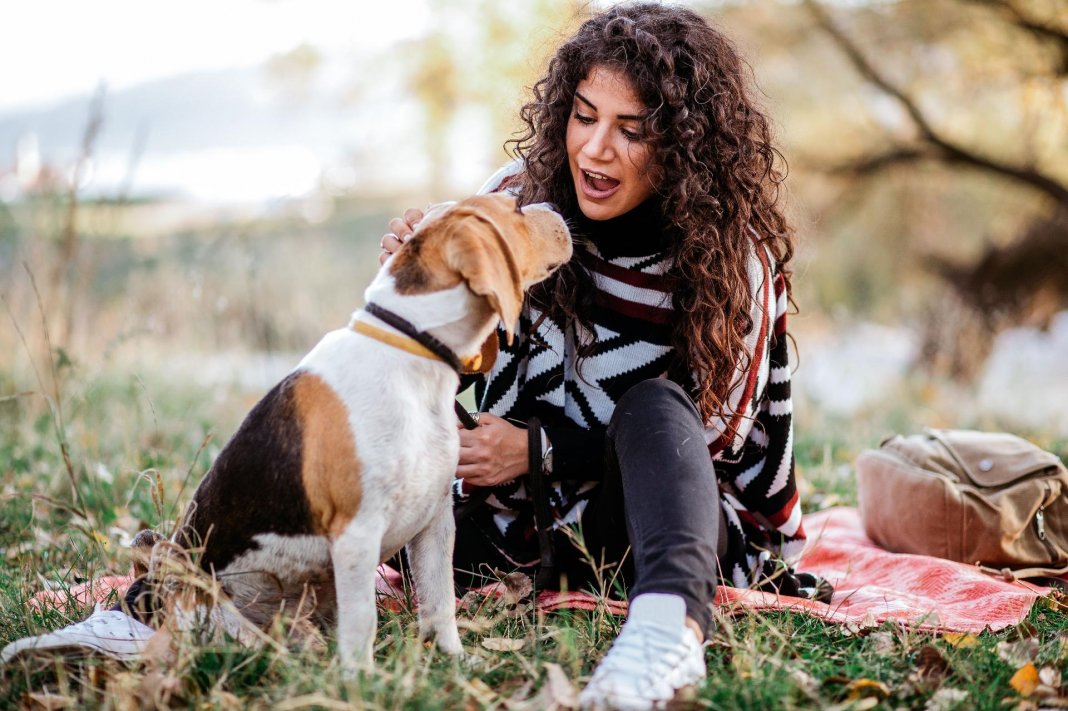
<point>107,434</point>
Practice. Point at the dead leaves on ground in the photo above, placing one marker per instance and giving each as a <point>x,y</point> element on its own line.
<point>940,667</point>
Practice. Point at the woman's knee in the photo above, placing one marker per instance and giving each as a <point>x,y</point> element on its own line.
<point>654,401</point>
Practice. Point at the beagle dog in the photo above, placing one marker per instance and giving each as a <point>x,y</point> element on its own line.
<point>351,457</point>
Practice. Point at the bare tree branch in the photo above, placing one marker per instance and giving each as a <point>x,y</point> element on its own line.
<point>881,161</point>
<point>944,149</point>
<point>1022,20</point>
<point>1046,32</point>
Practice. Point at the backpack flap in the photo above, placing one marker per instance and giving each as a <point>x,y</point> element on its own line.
<point>993,459</point>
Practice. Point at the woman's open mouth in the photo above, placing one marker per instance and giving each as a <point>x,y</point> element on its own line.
<point>597,186</point>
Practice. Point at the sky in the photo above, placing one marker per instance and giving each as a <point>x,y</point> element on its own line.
<point>221,134</point>
<point>190,111</point>
<point>67,47</point>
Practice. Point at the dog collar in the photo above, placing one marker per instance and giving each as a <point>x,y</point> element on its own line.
<point>412,340</point>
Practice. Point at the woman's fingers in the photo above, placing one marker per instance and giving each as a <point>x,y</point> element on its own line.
<point>492,453</point>
<point>413,217</point>
<point>389,245</point>
<point>403,227</point>
<point>400,231</point>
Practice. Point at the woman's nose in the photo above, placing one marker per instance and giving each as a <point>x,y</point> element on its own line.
<point>598,146</point>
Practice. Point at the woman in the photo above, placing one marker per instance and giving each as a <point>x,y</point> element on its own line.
<point>651,371</point>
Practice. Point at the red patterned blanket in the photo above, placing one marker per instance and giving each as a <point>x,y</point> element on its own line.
<point>871,586</point>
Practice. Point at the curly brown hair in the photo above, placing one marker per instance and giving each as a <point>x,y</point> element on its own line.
<point>716,171</point>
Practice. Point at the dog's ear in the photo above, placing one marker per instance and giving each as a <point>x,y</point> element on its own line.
<point>478,251</point>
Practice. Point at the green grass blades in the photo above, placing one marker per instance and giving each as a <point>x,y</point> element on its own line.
<point>134,445</point>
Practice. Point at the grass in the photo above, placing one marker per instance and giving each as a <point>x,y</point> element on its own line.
<point>136,443</point>
<point>138,435</point>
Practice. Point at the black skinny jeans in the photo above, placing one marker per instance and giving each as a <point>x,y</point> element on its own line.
<point>660,497</point>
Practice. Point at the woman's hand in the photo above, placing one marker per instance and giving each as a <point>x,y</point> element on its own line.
<point>400,231</point>
<point>493,453</point>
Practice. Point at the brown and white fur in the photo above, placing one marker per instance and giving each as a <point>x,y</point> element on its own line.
<point>351,457</point>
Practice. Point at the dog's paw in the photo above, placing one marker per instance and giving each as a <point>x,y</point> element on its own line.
<point>448,641</point>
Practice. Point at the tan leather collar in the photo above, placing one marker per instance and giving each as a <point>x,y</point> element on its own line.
<point>470,364</point>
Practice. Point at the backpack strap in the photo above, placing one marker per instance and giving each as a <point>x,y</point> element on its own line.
<point>1016,574</point>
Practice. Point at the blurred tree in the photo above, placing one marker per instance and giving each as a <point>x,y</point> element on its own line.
<point>968,87</point>
<point>479,58</point>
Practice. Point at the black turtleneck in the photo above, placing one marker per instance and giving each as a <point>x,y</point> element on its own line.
<point>637,233</point>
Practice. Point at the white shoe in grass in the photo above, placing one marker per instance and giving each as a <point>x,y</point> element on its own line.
<point>109,632</point>
<point>655,655</point>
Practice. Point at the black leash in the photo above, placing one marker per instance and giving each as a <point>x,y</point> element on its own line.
<point>465,417</point>
<point>543,519</point>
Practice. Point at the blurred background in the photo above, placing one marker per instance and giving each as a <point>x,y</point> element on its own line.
<point>190,198</point>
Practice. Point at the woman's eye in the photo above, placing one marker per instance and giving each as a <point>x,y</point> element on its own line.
<point>584,120</point>
<point>630,134</point>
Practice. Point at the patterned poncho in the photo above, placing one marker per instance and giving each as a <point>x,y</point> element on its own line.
<point>632,318</point>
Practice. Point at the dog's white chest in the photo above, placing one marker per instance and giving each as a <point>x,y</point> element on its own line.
<point>400,412</point>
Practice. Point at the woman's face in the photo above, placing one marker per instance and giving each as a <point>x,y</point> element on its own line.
<point>610,166</point>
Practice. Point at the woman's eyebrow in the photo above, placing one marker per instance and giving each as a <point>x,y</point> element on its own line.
<point>621,117</point>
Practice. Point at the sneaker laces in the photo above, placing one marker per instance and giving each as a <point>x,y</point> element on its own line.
<point>650,660</point>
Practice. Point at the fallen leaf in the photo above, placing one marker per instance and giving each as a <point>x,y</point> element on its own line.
<point>945,699</point>
<point>1050,676</point>
<point>482,692</point>
<point>1018,653</point>
<point>1024,630</point>
<point>47,701</point>
<point>561,692</point>
<point>517,587</point>
<point>101,538</point>
<point>861,705</point>
<point>158,688</point>
<point>124,692</point>
<point>883,643</point>
<point>866,688</point>
<point>520,695</point>
<point>806,683</point>
<point>502,644</point>
<point>1025,680</point>
<point>1056,601</point>
<point>960,639</point>
<point>930,664</point>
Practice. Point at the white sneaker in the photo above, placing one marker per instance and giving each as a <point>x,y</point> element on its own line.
<point>655,655</point>
<point>110,632</point>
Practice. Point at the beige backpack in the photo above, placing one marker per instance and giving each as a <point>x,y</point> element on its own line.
<point>994,500</point>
